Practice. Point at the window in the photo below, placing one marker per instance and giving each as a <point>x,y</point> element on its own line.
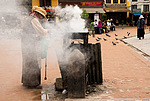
<point>146,8</point>
<point>122,1</point>
<point>115,1</point>
<point>134,0</point>
<point>45,2</point>
<point>133,7</point>
<point>108,1</point>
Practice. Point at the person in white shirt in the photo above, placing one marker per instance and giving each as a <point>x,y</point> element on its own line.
<point>31,47</point>
<point>108,24</point>
<point>96,26</point>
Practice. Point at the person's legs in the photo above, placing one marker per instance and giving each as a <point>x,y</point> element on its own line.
<point>95,29</point>
<point>93,33</point>
<point>143,37</point>
<point>138,34</point>
<point>108,29</point>
<point>143,32</point>
<point>114,28</point>
<point>100,31</point>
<point>111,28</point>
<point>103,30</point>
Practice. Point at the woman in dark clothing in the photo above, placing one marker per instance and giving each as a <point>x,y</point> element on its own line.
<point>140,27</point>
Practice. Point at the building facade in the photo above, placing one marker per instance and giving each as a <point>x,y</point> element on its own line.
<point>117,10</point>
<point>143,5</point>
<point>41,3</point>
<point>93,7</point>
<point>139,7</point>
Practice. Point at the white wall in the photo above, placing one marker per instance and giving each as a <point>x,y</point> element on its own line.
<point>140,4</point>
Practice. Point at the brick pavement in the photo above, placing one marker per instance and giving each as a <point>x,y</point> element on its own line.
<point>10,76</point>
<point>126,73</point>
<point>140,45</point>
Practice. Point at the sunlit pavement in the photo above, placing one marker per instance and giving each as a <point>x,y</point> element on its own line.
<point>126,73</point>
<point>140,45</point>
<point>10,76</point>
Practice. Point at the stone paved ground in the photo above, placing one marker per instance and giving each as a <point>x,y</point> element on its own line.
<point>140,45</point>
<point>125,71</point>
<point>10,73</point>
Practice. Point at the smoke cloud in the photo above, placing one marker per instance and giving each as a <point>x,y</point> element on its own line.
<point>12,15</point>
<point>10,19</point>
<point>69,21</point>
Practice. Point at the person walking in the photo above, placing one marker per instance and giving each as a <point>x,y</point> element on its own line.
<point>31,47</point>
<point>140,27</point>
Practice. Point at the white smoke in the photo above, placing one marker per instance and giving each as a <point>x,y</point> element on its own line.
<point>72,16</point>
<point>8,6</point>
<point>70,21</point>
<point>13,14</point>
<point>10,19</point>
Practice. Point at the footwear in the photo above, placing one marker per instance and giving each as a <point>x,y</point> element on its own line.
<point>139,38</point>
<point>143,37</point>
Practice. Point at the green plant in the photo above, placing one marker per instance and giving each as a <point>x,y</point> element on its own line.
<point>122,21</point>
<point>104,17</point>
<point>84,15</point>
<point>92,26</point>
